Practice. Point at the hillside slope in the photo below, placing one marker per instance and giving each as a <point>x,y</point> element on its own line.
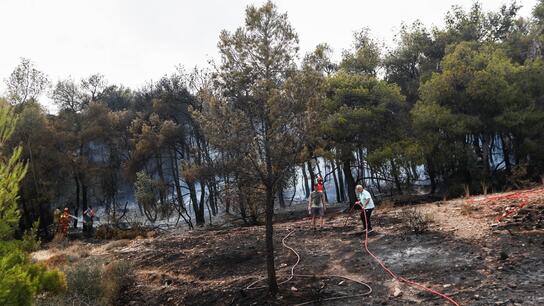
<point>461,254</point>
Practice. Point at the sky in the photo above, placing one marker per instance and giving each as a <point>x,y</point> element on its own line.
<point>131,42</point>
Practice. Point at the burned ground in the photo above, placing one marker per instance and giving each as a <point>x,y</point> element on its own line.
<point>461,255</point>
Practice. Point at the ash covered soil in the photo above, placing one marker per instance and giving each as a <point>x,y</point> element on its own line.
<point>462,254</point>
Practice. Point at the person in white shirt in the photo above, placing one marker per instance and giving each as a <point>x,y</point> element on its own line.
<point>365,200</point>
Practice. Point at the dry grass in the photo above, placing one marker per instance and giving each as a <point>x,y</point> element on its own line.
<point>58,260</point>
<point>108,232</point>
<point>116,244</point>
<point>91,282</point>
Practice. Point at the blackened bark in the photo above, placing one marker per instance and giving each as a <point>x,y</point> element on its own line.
<point>194,201</point>
<point>281,198</point>
<point>181,203</point>
<point>76,208</point>
<point>242,204</point>
<point>312,175</point>
<point>84,196</point>
<point>341,184</point>
<point>432,174</point>
<point>396,176</point>
<point>335,182</point>
<point>270,268</point>
<point>506,152</point>
<point>305,179</point>
<point>350,182</point>
<point>162,196</point>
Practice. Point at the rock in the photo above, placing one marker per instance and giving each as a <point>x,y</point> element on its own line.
<point>397,292</point>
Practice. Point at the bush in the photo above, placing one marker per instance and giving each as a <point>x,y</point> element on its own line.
<point>108,232</point>
<point>84,282</point>
<point>15,287</point>
<point>114,277</point>
<point>415,221</point>
<point>20,279</point>
<point>53,281</point>
<point>91,283</point>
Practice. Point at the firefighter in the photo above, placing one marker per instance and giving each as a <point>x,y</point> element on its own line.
<point>64,222</point>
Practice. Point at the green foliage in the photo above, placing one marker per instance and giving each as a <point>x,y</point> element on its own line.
<point>145,194</point>
<point>12,172</point>
<point>413,60</point>
<point>20,279</point>
<point>478,92</point>
<point>144,189</point>
<point>359,108</point>
<point>30,241</point>
<point>365,57</point>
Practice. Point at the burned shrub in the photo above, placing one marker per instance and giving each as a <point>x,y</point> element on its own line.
<point>415,221</point>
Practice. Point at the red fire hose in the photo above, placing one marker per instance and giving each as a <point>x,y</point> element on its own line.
<point>393,275</point>
<point>522,196</point>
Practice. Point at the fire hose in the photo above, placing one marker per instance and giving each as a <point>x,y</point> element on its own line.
<point>522,196</point>
<point>292,275</point>
<point>393,275</point>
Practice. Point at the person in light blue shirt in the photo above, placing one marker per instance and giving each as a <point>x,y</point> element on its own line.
<point>365,200</point>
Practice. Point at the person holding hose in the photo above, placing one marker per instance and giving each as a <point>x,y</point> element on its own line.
<point>64,222</point>
<point>365,200</point>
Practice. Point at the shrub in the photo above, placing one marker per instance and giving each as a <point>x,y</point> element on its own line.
<point>114,276</point>
<point>415,221</point>
<point>84,281</point>
<point>53,281</point>
<point>108,232</point>
<point>91,283</point>
<point>15,287</point>
<point>20,279</point>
